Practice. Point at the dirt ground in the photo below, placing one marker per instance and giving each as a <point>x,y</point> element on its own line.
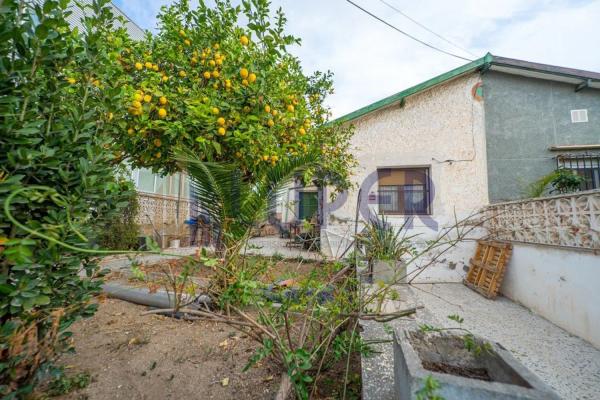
<point>154,357</point>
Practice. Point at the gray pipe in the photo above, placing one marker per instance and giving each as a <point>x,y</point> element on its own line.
<point>159,299</point>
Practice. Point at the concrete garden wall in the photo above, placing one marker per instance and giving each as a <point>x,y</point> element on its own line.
<point>430,129</point>
<point>560,284</point>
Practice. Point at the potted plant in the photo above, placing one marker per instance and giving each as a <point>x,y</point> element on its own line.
<point>384,247</point>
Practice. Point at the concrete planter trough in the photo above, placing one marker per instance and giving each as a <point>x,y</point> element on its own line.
<point>389,271</point>
<point>462,374</point>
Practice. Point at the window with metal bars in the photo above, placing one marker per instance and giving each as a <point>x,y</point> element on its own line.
<point>404,191</point>
<point>584,165</point>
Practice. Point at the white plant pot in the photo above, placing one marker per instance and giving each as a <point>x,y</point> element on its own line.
<point>389,271</point>
<point>174,244</point>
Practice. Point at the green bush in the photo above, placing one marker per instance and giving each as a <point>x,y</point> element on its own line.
<point>122,232</point>
<point>56,108</point>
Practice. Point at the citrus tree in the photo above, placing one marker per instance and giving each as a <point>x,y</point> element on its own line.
<point>220,82</point>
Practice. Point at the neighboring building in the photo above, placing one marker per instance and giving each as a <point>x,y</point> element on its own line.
<point>475,135</point>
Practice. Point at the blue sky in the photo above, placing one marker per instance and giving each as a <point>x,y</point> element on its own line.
<point>371,61</point>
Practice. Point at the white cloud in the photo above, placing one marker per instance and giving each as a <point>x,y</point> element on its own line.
<point>371,61</point>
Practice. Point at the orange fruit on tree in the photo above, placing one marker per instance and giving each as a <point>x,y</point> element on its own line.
<point>136,104</point>
<point>244,40</point>
<point>221,121</point>
<point>182,74</point>
<point>267,108</point>
<point>215,74</point>
<point>244,73</point>
<point>215,110</point>
<point>138,66</point>
<point>147,98</point>
<point>148,65</point>
<point>252,78</point>
<point>162,112</point>
<point>270,123</point>
<point>206,75</point>
<point>290,108</point>
<point>162,100</point>
<point>245,82</point>
<point>157,142</point>
<point>221,131</point>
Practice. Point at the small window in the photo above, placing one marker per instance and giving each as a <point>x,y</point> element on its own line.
<point>579,116</point>
<point>404,191</point>
<point>585,165</point>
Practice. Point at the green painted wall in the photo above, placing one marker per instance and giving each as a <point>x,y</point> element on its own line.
<point>523,118</point>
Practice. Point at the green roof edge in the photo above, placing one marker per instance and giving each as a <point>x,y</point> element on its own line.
<point>482,62</point>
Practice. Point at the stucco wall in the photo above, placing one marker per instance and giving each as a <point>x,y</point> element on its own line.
<point>443,123</point>
<point>559,284</point>
<point>524,117</point>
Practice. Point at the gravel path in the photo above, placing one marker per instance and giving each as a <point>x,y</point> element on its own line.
<point>567,363</point>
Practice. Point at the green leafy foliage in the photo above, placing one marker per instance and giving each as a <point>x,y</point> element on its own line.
<point>560,181</point>
<point>56,108</point>
<point>121,232</point>
<point>65,384</point>
<point>429,389</point>
<point>382,241</point>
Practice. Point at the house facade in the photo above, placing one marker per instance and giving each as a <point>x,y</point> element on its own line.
<point>440,151</point>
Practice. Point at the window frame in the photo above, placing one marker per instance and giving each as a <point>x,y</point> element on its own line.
<point>426,191</point>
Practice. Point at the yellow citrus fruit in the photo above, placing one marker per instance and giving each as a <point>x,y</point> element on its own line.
<point>216,46</point>
<point>147,98</point>
<point>136,104</point>
<point>227,83</point>
<point>215,74</point>
<point>157,142</point>
<point>206,75</point>
<point>157,155</point>
<point>138,97</point>
<point>219,61</point>
<point>238,154</point>
<point>244,73</point>
<point>244,40</point>
<point>182,74</point>
<point>194,60</point>
<point>274,158</point>
<point>302,131</point>
<point>187,42</point>
<point>274,113</point>
<point>290,108</point>
<point>245,82</point>
<point>71,80</point>
<point>270,122</point>
<point>268,108</point>
<point>221,131</point>
<point>221,121</point>
<point>181,32</point>
<point>162,112</point>
<point>138,66</point>
<point>265,157</point>
<point>165,78</point>
<point>216,85</point>
<point>148,64</point>
<point>130,131</point>
<point>162,100</point>
<point>215,110</point>
<point>212,63</point>
<point>252,78</point>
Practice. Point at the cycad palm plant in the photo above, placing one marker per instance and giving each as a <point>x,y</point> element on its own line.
<point>236,202</point>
